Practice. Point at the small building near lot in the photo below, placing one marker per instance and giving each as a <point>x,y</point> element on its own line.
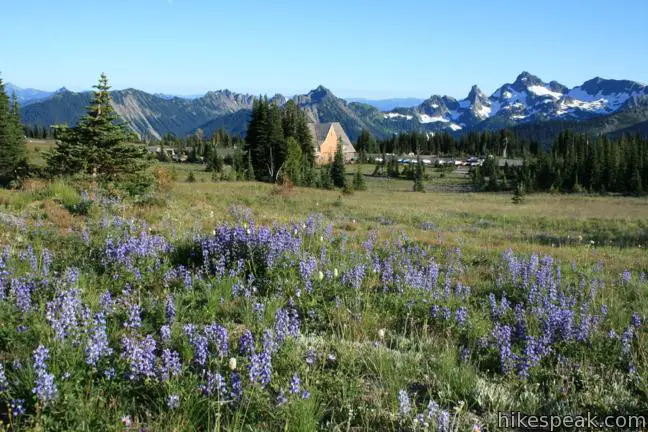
<point>325,140</point>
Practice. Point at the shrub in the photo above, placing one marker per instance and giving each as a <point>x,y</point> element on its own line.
<point>138,184</point>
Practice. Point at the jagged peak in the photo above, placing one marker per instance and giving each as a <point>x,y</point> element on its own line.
<point>320,90</point>
<point>476,94</point>
<point>526,79</point>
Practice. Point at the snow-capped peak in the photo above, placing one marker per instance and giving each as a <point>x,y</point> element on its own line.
<point>528,98</point>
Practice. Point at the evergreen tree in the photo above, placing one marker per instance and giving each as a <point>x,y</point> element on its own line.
<point>305,139</point>
<point>325,177</point>
<point>265,140</point>
<point>13,152</point>
<point>358,180</point>
<point>98,144</point>
<point>338,176</point>
<point>292,167</point>
<point>519,194</point>
<point>308,171</point>
<point>418,174</point>
<point>364,145</point>
<point>215,162</point>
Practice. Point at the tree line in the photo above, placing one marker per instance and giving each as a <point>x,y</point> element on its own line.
<point>575,163</point>
<point>444,144</point>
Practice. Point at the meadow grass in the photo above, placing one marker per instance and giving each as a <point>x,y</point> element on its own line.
<point>381,310</point>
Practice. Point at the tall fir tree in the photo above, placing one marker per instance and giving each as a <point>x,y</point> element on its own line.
<point>98,145</point>
<point>292,167</point>
<point>13,151</point>
<point>338,175</point>
<point>364,145</point>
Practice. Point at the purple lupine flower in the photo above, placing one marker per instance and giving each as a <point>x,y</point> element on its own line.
<point>140,355</point>
<point>219,336</point>
<point>165,333</point>
<point>215,385</point>
<point>133,316</point>
<point>246,343</point>
<point>64,314</point>
<point>461,317</point>
<point>530,358</point>
<point>520,330</point>
<point>173,401</point>
<point>636,320</point>
<point>282,321</point>
<point>305,394</point>
<point>307,267</point>
<point>237,386</point>
<point>502,336</point>
<point>443,421</point>
<point>40,355</point>
<point>432,409</point>
<point>626,340</point>
<point>97,346</point>
<point>171,364</point>
<point>21,290</point>
<point>295,384</point>
<point>44,387</point>
<point>293,323</point>
<point>268,341</point>
<point>170,308</point>
<point>446,314</point>
<point>260,368</point>
<point>404,406</point>
<point>355,276</point>
<point>281,398</point>
<point>626,276</point>
<point>106,303</point>
<point>18,407</point>
<point>201,348</point>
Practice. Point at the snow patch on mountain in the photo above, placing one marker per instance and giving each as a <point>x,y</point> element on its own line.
<point>424,118</point>
<point>483,111</point>
<point>543,91</point>
<point>393,115</point>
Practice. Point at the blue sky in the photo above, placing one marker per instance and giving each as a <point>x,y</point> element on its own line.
<point>356,48</point>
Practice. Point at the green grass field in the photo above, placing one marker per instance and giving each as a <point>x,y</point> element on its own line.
<point>372,317</point>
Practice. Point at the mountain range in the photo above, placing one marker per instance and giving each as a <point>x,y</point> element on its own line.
<point>608,105</point>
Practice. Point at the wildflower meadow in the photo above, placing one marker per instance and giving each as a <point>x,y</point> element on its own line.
<point>316,321</point>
